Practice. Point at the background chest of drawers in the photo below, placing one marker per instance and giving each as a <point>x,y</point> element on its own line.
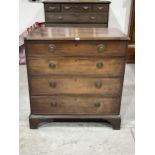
<point>75,73</point>
<point>76,13</point>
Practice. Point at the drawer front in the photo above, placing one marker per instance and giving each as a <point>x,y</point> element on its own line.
<point>73,66</point>
<point>74,48</point>
<point>74,105</point>
<point>75,25</point>
<point>75,85</point>
<point>101,7</point>
<point>52,7</point>
<point>76,17</point>
<point>76,7</point>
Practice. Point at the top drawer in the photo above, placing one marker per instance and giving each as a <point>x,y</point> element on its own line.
<point>77,48</point>
<point>52,7</point>
<point>101,7</point>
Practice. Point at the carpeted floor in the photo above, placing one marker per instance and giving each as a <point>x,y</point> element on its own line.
<point>78,138</point>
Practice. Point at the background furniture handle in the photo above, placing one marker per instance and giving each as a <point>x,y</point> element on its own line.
<point>52,84</point>
<point>100,7</point>
<point>85,7</point>
<point>54,104</point>
<point>52,7</point>
<point>60,17</point>
<point>98,84</point>
<point>67,7</point>
<point>52,65</point>
<point>101,48</point>
<point>51,48</point>
<point>99,65</point>
<point>97,104</point>
<point>92,17</point>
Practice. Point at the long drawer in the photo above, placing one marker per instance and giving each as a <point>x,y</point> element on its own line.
<point>75,25</point>
<point>77,66</point>
<point>76,17</point>
<point>75,85</point>
<point>74,48</point>
<point>74,105</point>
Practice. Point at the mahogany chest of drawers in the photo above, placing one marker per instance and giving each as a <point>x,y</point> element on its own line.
<point>75,73</point>
<point>76,13</point>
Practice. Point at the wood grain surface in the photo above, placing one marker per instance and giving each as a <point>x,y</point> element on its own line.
<point>77,48</point>
<point>75,33</point>
<point>75,85</point>
<point>104,67</point>
<point>74,105</point>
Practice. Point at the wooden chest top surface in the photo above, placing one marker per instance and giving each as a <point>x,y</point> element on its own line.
<point>74,33</point>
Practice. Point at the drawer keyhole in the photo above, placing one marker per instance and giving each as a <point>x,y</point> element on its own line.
<point>54,104</point>
<point>101,48</point>
<point>98,84</point>
<point>52,84</point>
<point>51,48</point>
<point>97,104</point>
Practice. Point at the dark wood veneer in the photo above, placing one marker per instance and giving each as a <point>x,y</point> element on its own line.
<point>76,48</point>
<point>76,12</point>
<point>104,67</point>
<point>74,105</point>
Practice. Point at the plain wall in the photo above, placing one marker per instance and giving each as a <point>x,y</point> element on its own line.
<point>119,14</point>
<point>31,12</point>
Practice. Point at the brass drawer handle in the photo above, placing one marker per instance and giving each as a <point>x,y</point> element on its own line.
<point>52,65</point>
<point>51,48</point>
<point>97,104</point>
<point>52,7</point>
<point>99,65</point>
<point>60,18</point>
<point>52,84</point>
<point>101,48</point>
<point>100,7</point>
<point>98,84</point>
<point>86,7</point>
<point>67,7</point>
<point>54,104</point>
<point>93,18</point>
